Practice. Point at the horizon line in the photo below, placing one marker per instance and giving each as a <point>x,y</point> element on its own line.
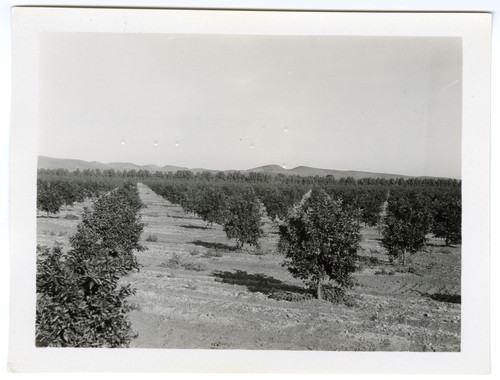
<point>249,169</point>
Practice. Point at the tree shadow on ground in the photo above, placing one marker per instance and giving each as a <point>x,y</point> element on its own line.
<point>439,245</point>
<point>257,282</point>
<point>191,227</point>
<point>221,246</point>
<point>180,217</point>
<point>440,297</point>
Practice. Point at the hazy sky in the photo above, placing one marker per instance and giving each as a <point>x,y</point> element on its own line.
<point>382,104</point>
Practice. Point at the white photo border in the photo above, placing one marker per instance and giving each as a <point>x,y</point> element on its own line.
<point>475,31</point>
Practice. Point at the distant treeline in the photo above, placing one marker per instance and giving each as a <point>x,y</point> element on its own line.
<point>251,177</point>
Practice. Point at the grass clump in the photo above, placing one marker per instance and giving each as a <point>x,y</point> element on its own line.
<point>152,238</point>
<point>446,250</point>
<point>369,261</point>
<point>191,285</point>
<point>173,262</point>
<point>338,295</point>
<point>197,267</point>
<point>214,252</point>
<point>282,295</point>
<point>409,269</point>
<point>194,252</point>
<point>258,252</point>
<point>384,272</point>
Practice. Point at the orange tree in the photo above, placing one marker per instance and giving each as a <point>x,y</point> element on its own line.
<point>210,204</point>
<point>406,223</point>
<point>48,197</point>
<point>242,218</point>
<point>447,218</point>
<point>319,240</point>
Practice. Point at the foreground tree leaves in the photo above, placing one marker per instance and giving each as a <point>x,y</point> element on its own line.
<point>80,302</point>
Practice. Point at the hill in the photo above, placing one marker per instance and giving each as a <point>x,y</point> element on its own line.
<point>72,164</point>
<point>308,171</point>
<point>45,162</point>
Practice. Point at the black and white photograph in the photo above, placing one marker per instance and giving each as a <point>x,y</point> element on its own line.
<point>215,180</point>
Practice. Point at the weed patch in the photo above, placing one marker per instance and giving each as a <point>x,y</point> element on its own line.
<point>173,262</point>
<point>212,253</point>
<point>337,295</point>
<point>191,285</point>
<point>282,295</point>
<point>368,261</point>
<point>197,267</point>
<point>446,250</point>
<point>152,238</point>
<point>257,252</point>
<point>384,272</point>
<point>194,252</point>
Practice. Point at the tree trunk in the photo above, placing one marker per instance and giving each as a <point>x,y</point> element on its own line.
<point>319,290</point>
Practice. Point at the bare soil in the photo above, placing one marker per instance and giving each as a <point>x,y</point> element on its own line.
<point>195,290</point>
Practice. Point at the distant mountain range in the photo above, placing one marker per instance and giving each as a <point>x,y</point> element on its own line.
<point>45,162</point>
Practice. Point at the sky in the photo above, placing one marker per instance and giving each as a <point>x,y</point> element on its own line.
<point>378,104</point>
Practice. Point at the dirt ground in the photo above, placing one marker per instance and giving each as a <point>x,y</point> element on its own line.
<point>195,291</point>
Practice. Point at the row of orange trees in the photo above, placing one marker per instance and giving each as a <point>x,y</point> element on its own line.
<point>414,213</point>
<point>437,208</point>
<point>236,208</point>
<point>53,192</point>
<point>196,196</point>
<point>320,229</point>
<point>80,301</point>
